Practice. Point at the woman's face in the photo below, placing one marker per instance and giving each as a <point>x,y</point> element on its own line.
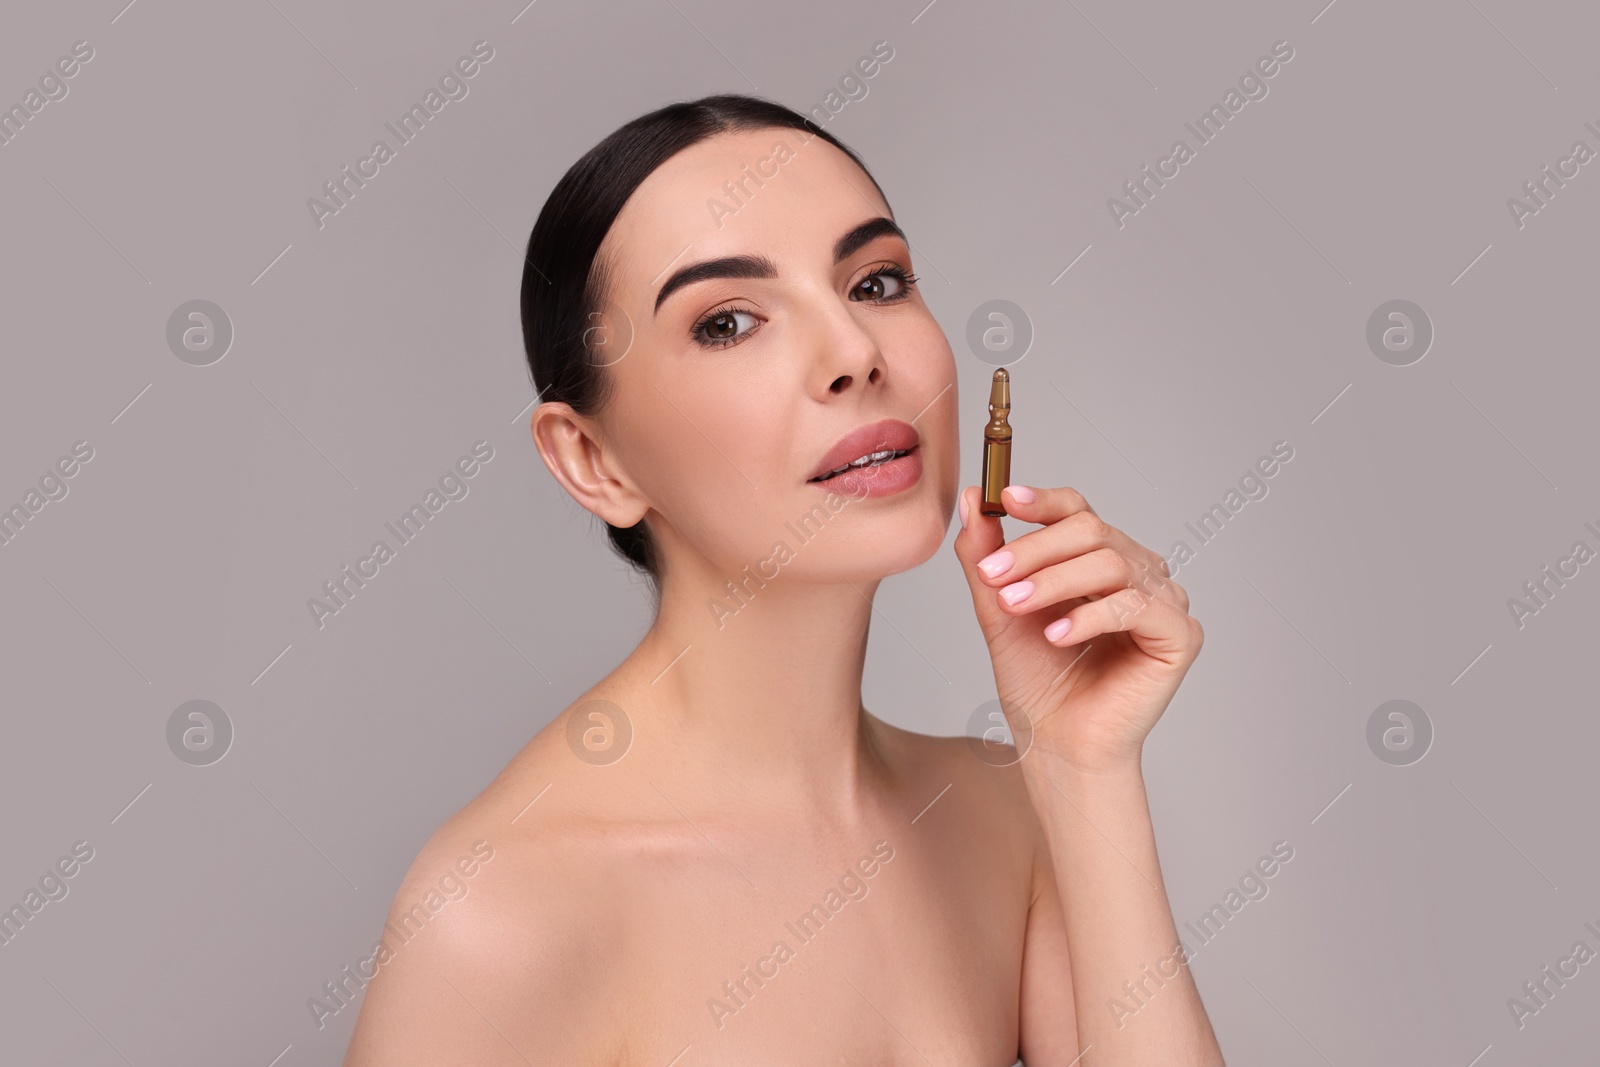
<point>733,393</point>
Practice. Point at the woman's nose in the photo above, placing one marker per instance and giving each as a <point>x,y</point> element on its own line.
<point>847,354</point>
<point>844,381</point>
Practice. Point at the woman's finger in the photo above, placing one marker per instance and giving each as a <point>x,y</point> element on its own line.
<point>1078,533</point>
<point>1032,503</point>
<point>1155,625</point>
<point>1094,575</point>
<point>980,536</point>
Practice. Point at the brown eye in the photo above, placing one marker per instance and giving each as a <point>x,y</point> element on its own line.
<point>885,285</point>
<point>721,328</point>
<point>872,288</point>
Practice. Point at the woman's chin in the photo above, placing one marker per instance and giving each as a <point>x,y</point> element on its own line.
<point>839,538</point>
<point>879,546</point>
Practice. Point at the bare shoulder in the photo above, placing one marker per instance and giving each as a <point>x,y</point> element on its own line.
<point>984,777</point>
<point>1002,823</point>
<point>495,948</point>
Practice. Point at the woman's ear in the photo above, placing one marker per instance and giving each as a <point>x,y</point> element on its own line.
<point>572,449</point>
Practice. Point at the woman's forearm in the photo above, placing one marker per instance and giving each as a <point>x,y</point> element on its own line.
<point>1135,999</point>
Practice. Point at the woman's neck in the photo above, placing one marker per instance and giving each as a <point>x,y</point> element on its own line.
<point>760,689</point>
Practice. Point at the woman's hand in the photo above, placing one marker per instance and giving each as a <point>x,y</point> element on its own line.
<point>1088,635</point>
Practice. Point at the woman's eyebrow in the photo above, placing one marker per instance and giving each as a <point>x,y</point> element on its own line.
<point>870,230</point>
<point>726,267</point>
<point>762,267</point>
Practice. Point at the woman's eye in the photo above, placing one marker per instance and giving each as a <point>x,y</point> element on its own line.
<point>883,285</point>
<point>723,327</point>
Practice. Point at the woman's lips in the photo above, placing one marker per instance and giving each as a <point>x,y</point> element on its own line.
<point>879,479</point>
<point>890,434</point>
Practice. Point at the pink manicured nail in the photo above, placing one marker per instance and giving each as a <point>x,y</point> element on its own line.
<point>963,510</point>
<point>1017,592</point>
<point>1057,630</point>
<point>997,563</point>
<point>1022,494</point>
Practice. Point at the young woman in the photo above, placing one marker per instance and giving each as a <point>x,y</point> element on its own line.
<point>717,855</point>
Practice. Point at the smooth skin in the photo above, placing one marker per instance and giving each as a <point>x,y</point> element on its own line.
<point>629,895</point>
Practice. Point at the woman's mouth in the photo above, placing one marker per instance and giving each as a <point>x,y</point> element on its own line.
<point>871,459</point>
<point>876,474</point>
<point>877,459</point>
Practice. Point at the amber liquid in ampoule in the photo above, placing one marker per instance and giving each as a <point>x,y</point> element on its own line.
<point>997,444</point>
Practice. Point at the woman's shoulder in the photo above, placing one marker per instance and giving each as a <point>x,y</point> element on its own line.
<point>979,760</point>
<point>534,823</point>
<point>984,775</point>
<point>503,907</point>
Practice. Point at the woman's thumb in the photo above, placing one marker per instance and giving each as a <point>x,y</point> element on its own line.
<point>980,535</point>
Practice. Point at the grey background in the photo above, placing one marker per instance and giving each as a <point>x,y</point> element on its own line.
<point>1228,314</point>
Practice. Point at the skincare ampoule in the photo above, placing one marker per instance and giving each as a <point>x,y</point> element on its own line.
<point>997,444</point>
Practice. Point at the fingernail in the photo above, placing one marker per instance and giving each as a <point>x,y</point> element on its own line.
<point>1057,630</point>
<point>1017,592</point>
<point>997,563</point>
<point>1022,494</point>
<point>963,510</point>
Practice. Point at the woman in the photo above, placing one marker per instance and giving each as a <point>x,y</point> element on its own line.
<point>717,855</point>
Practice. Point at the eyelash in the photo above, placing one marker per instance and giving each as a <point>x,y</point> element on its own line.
<point>907,281</point>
